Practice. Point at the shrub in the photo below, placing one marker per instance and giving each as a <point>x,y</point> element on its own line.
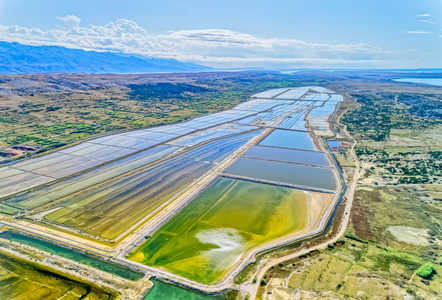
<point>352,237</point>
<point>425,271</point>
<point>263,282</point>
<point>341,284</point>
<point>342,242</point>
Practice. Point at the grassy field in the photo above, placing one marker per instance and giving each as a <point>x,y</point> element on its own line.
<point>214,230</point>
<point>355,270</point>
<point>379,209</point>
<point>22,280</point>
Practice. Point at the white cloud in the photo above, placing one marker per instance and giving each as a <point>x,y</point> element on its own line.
<point>428,21</point>
<point>218,38</point>
<point>417,32</point>
<point>70,21</point>
<point>121,36</point>
<point>224,46</point>
<point>424,15</point>
<point>215,47</point>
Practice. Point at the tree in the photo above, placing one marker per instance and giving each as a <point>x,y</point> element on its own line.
<point>425,271</point>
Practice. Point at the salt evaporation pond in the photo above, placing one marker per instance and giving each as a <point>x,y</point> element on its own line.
<point>226,220</point>
<point>299,175</point>
<point>288,155</point>
<point>289,139</point>
<point>110,209</point>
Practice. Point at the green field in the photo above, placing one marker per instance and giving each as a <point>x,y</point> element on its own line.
<point>230,217</point>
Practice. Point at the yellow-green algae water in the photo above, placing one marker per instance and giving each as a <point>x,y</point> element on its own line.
<point>229,218</point>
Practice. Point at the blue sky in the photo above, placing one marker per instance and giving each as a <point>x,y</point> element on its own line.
<point>241,33</point>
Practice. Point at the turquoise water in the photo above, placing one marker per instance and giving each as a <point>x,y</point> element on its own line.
<point>72,255</point>
<point>334,144</point>
<point>432,81</point>
<point>288,155</point>
<point>166,291</point>
<point>301,175</point>
<point>289,139</point>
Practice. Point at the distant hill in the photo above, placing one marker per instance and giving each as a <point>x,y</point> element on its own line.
<point>16,58</point>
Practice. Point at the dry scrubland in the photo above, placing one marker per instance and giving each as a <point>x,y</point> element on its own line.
<point>354,270</point>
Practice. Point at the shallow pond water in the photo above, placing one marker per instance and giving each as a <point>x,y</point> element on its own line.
<point>300,175</point>
<point>289,139</point>
<point>334,144</point>
<point>162,290</point>
<point>288,155</point>
<point>230,217</point>
<point>166,291</point>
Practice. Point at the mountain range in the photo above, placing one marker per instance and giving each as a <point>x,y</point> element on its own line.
<point>17,58</point>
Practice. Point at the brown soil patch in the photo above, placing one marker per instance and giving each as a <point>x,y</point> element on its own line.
<point>361,216</point>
